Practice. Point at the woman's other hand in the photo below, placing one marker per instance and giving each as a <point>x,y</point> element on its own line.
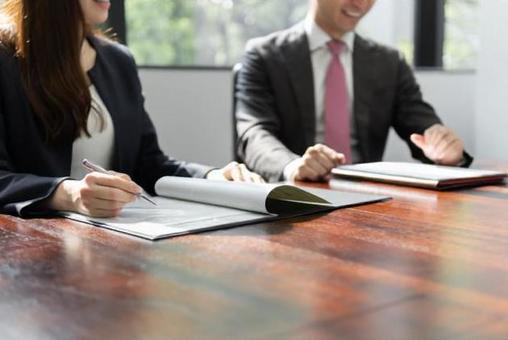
<point>235,172</point>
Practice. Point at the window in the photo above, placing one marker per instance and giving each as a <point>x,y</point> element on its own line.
<point>461,34</point>
<point>203,32</point>
<point>432,33</point>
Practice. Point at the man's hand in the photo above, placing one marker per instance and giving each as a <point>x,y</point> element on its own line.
<point>235,172</point>
<point>440,144</point>
<point>316,164</point>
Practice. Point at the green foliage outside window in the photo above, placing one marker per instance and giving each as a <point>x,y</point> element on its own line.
<point>214,32</point>
<point>203,32</point>
<point>462,38</point>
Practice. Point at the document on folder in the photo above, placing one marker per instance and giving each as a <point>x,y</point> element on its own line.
<point>419,175</point>
<point>189,205</point>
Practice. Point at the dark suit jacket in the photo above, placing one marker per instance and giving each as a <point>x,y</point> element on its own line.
<point>30,169</point>
<point>275,109</point>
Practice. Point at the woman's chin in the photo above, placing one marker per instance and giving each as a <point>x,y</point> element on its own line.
<point>97,20</point>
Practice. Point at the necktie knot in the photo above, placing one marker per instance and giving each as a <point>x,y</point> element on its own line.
<point>335,46</point>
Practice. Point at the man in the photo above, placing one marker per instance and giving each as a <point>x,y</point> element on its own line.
<point>318,95</point>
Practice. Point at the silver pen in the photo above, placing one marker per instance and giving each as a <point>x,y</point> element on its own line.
<point>94,167</point>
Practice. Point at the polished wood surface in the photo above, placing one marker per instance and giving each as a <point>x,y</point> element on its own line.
<point>424,265</point>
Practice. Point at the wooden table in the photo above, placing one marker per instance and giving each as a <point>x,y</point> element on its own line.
<point>425,265</point>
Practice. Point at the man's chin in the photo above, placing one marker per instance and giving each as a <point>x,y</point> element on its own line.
<point>346,24</point>
<point>347,28</point>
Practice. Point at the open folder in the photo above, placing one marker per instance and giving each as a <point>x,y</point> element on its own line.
<point>419,175</point>
<point>189,205</point>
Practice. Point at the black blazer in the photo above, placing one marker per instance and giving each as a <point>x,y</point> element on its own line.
<point>275,109</point>
<point>30,169</point>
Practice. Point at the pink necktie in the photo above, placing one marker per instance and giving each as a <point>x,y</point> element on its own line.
<point>337,127</point>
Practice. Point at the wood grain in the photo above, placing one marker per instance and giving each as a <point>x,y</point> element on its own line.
<point>426,265</point>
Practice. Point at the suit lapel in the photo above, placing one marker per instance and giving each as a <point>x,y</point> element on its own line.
<point>296,56</point>
<point>362,82</point>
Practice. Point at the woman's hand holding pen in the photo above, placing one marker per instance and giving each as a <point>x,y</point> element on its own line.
<point>97,194</point>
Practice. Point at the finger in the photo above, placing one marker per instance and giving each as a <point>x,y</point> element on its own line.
<point>227,171</point>
<point>97,212</point>
<point>418,140</point>
<point>112,181</point>
<point>230,172</point>
<point>334,157</point>
<point>236,174</point>
<point>96,205</point>
<point>444,144</point>
<point>244,173</point>
<point>319,155</point>
<point>120,174</point>
<point>249,176</point>
<point>99,203</point>
<point>305,173</point>
<point>434,134</point>
<point>452,154</point>
<point>315,165</point>
<point>96,191</point>
<point>429,134</point>
<point>326,162</point>
<point>440,139</point>
<point>342,158</point>
<point>316,171</point>
<point>258,179</point>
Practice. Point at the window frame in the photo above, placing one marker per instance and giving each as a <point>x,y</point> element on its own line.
<point>429,33</point>
<point>116,20</point>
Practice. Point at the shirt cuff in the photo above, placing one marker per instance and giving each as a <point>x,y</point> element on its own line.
<point>466,160</point>
<point>290,169</point>
<point>212,174</point>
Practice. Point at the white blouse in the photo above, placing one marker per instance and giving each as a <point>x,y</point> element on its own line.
<point>100,146</point>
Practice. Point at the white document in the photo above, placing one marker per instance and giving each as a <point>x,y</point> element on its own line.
<point>245,196</point>
<point>193,205</point>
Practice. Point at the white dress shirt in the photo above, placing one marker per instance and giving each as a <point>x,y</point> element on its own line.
<point>99,147</point>
<point>320,58</point>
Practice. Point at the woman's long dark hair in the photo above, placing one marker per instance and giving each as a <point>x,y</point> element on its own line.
<point>47,37</point>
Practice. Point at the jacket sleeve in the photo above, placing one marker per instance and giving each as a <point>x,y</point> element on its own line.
<point>20,193</point>
<point>257,121</point>
<point>152,163</point>
<point>412,113</point>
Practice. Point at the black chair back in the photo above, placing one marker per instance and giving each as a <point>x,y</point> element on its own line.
<point>236,71</point>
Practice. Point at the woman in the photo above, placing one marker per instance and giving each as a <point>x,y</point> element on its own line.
<point>67,93</point>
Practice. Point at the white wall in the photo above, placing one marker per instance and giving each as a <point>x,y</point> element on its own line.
<point>390,22</point>
<point>192,111</point>
<point>492,86</point>
<point>452,94</point>
<point>379,23</point>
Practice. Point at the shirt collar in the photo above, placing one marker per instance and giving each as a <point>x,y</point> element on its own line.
<point>319,38</point>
